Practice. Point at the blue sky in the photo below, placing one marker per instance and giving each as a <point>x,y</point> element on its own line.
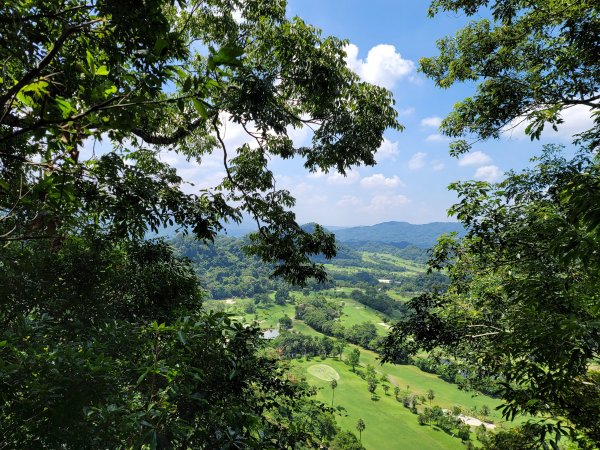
<point>414,169</point>
<point>410,181</point>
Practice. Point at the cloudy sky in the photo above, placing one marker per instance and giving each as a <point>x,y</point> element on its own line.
<point>414,169</point>
<point>409,183</point>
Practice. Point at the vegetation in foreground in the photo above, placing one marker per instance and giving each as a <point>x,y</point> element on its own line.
<point>105,328</point>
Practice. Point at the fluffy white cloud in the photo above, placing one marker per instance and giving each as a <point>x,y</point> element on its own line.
<point>316,174</point>
<point>378,181</point>
<point>431,122</point>
<point>576,119</point>
<point>351,177</point>
<point>417,161</point>
<point>436,138</point>
<point>474,159</point>
<point>488,173</point>
<point>381,203</point>
<point>437,165</point>
<point>383,65</point>
<point>388,149</point>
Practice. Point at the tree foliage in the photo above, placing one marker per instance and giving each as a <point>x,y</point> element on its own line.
<point>102,344</point>
<point>522,304</point>
<point>78,73</point>
<point>532,60</point>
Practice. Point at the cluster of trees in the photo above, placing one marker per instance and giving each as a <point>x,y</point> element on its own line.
<point>296,345</point>
<point>322,315</point>
<point>447,421</point>
<point>379,301</point>
<point>466,376</point>
<point>370,376</point>
<point>522,304</point>
<point>102,340</point>
<point>224,269</point>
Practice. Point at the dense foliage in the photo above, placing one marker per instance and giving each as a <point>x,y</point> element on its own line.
<point>154,76</point>
<point>102,342</point>
<point>532,59</point>
<point>120,357</point>
<point>522,305</point>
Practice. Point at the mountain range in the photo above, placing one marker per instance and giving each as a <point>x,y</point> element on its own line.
<point>399,233</point>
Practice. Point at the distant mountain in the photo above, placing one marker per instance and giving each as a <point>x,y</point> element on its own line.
<point>399,234</point>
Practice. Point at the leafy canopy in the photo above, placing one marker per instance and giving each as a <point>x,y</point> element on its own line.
<point>522,304</point>
<point>159,76</point>
<point>103,343</point>
<point>531,59</point>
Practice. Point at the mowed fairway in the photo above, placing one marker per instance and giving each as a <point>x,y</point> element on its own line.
<point>388,424</point>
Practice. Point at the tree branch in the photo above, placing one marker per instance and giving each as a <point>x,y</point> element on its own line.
<point>6,99</point>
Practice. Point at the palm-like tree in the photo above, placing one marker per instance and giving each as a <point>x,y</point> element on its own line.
<point>360,426</point>
<point>430,396</point>
<point>333,385</point>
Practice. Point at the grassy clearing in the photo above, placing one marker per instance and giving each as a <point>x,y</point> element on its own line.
<point>388,424</point>
<point>323,372</point>
<point>379,258</point>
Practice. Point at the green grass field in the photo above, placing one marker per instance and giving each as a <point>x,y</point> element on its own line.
<point>388,424</point>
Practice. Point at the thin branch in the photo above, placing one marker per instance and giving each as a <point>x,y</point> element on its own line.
<point>33,73</point>
<point>491,333</point>
<point>233,182</point>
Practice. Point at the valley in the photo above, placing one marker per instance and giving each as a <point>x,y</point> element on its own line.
<point>386,276</point>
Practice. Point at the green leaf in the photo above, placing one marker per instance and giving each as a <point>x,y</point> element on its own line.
<point>102,70</point>
<point>200,108</point>
<point>181,337</point>
<point>142,377</point>
<point>64,106</point>
<point>90,61</point>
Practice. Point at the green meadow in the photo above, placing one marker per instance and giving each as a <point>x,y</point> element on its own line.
<point>389,425</point>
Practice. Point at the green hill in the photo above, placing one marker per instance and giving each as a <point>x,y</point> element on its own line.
<point>399,233</point>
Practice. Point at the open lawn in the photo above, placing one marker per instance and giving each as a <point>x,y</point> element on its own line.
<point>388,424</point>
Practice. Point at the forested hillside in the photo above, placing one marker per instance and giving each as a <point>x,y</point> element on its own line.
<point>226,271</point>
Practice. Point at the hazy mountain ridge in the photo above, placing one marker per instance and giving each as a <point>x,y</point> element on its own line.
<point>400,234</point>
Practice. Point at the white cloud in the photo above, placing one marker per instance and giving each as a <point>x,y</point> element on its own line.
<point>302,188</point>
<point>316,174</point>
<point>383,65</point>
<point>388,149</point>
<point>576,119</point>
<point>436,138</point>
<point>378,181</point>
<point>417,161</point>
<point>474,159</point>
<point>431,122</point>
<point>437,165</point>
<point>351,177</point>
<point>406,111</point>
<point>348,201</point>
<point>316,200</point>
<point>381,203</point>
<point>488,173</point>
